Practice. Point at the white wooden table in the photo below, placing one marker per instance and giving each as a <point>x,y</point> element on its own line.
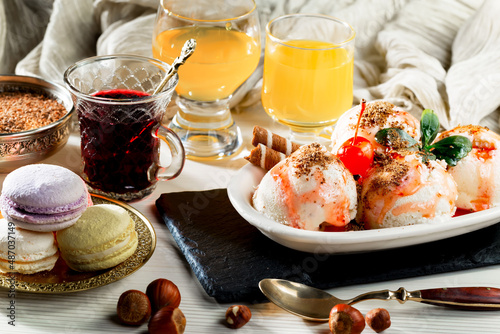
<point>93,311</point>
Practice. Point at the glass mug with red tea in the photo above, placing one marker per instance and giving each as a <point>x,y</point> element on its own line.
<point>120,124</point>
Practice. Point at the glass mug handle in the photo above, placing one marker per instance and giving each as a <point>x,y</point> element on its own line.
<point>176,150</point>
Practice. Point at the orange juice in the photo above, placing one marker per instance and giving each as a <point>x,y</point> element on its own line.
<point>222,61</point>
<point>307,82</point>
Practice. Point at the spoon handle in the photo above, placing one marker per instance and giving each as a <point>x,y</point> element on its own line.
<point>186,52</point>
<point>466,298</point>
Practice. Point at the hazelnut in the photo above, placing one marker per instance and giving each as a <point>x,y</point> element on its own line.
<point>168,320</point>
<point>162,292</point>
<point>133,308</point>
<point>237,316</point>
<point>378,319</point>
<point>345,319</point>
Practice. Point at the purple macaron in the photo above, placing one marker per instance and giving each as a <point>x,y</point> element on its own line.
<point>43,197</point>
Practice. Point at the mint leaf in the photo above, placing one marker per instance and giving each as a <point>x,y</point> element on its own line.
<point>429,127</point>
<point>396,139</point>
<point>451,149</point>
<point>427,156</point>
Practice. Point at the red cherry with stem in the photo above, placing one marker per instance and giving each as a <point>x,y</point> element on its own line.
<point>357,152</point>
<point>357,156</point>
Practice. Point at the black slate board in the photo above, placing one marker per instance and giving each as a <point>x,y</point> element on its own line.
<point>229,256</point>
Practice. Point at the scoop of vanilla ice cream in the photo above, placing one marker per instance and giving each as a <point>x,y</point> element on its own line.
<point>377,115</point>
<point>402,190</point>
<point>477,181</point>
<point>308,188</point>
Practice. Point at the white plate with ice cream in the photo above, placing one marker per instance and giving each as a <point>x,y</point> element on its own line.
<point>245,181</point>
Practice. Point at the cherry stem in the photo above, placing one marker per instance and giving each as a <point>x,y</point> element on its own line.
<point>363,106</point>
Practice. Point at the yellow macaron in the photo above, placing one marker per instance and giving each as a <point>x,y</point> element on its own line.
<point>103,237</point>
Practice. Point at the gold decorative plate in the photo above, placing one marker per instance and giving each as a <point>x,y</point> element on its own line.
<point>62,279</point>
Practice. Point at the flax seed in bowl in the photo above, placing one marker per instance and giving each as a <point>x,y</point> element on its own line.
<point>35,119</point>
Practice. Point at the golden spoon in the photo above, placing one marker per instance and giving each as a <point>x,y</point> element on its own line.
<point>315,304</point>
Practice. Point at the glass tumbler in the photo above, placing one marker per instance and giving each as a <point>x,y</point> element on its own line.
<point>308,72</point>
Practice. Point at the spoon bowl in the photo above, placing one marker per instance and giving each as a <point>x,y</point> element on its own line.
<point>302,300</point>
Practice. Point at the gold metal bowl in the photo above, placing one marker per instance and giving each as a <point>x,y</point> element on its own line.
<point>21,148</point>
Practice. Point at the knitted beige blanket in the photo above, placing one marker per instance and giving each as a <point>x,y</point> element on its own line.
<point>443,55</point>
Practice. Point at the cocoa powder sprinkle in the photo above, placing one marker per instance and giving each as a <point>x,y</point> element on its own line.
<point>376,114</point>
<point>390,172</point>
<point>470,129</point>
<point>311,155</point>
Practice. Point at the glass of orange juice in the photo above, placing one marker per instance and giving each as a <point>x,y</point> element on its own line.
<point>308,72</point>
<point>227,35</point>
